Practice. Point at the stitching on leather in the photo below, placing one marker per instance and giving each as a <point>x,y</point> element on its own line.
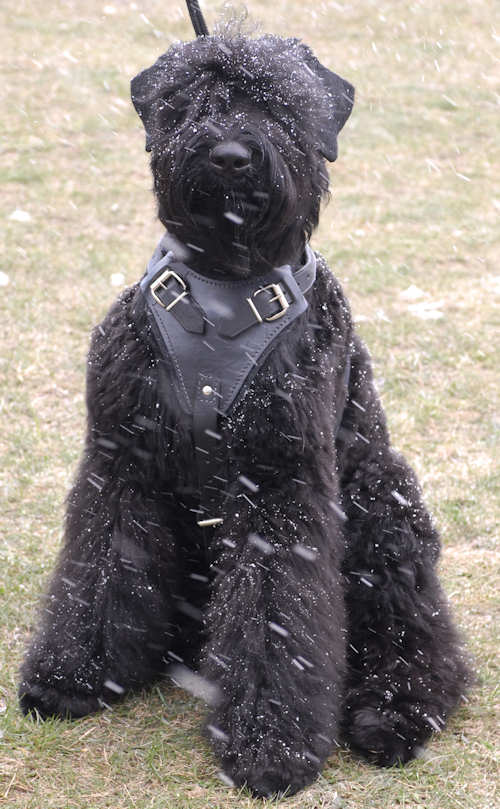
<point>160,315</point>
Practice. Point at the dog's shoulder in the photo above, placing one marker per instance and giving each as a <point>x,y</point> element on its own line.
<point>116,340</point>
<point>327,282</point>
<point>329,302</point>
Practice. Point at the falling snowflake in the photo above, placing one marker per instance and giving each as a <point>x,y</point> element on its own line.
<point>197,685</point>
<point>118,689</point>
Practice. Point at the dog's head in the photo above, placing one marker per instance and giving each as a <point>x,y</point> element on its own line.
<point>239,130</point>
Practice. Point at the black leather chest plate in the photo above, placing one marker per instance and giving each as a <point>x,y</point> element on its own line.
<point>216,332</point>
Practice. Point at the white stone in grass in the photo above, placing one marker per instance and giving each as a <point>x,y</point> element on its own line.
<point>117,279</point>
<point>4,279</point>
<point>412,293</point>
<point>492,284</point>
<point>428,314</point>
<point>426,310</point>
<point>20,216</point>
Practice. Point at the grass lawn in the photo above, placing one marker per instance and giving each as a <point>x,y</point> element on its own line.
<point>412,233</point>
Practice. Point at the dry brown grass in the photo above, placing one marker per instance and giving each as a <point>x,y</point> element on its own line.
<point>415,202</point>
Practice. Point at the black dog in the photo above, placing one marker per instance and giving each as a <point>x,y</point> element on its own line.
<point>275,539</point>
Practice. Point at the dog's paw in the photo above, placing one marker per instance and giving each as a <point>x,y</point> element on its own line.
<point>269,775</point>
<point>384,736</point>
<point>274,786</point>
<point>43,701</point>
<point>275,782</point>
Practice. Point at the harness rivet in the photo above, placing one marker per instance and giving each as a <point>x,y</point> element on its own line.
<point>207,390</point>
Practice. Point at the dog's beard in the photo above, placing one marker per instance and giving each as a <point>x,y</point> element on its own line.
<point>238,226</point>
<point>230,216</point>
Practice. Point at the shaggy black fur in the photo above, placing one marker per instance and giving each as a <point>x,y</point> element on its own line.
<point>315,609</point>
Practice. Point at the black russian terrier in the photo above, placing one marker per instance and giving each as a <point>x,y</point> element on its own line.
<point>239,508</point>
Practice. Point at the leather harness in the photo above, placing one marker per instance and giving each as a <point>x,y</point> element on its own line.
<point>216,334</point>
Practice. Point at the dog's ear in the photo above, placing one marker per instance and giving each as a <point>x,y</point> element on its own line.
<point>151,102</point>
<point>142,92</point>
<point>339,101</point>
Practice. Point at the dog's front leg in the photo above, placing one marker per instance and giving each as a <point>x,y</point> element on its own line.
<point>276,641</point>
<point>407,670</point>
<point>105,623</point>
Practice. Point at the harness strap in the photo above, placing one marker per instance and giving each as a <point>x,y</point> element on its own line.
<point>221,328</point>
<point>268,302</point>
<point>206,438</point>
<point>170,291</point>
<point>215,334</point>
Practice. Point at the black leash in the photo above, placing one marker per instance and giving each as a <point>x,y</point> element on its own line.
<point>199,24</point>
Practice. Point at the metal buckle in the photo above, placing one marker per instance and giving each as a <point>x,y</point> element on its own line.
<point>279,296</point>
<point>160,282</point>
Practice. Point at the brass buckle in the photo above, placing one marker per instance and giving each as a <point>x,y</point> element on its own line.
<point>279,296</point>
<point>160,282</point>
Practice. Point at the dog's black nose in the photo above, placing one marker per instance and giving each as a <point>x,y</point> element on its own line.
<point>230,157</point>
